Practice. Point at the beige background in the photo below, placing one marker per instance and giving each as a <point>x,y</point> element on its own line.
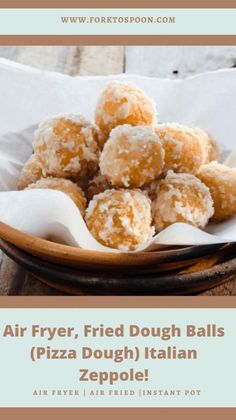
<point>169,61</point>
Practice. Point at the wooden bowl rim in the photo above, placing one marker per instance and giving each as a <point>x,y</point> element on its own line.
<point>67,254</point>
<point>177,283</point>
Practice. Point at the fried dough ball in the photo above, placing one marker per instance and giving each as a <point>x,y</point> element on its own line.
<point>181,198</point>
<point>151,189</point>
<point>123,103</point>
<point>120,219</point>
<point>184,152</point>
<point>32,171</point>
<point>66,186</point>
<point>97,185</point>
<point>221,180</point>
<point>210,146</point>
<point>67,146</point>
<point>213,150</point>
<point>132,156</point>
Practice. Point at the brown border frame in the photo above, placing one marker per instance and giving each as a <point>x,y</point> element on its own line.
<point>118,40</point>
<point>118,302</point>
<point>117,4</point>
<point>118,413</point>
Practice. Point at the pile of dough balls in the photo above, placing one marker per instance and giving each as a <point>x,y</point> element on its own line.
<point>130,176</point>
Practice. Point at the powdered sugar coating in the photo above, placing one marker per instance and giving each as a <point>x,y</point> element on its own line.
<point>97,185</point>
<point>120,218</point>
<point>221,180</point>
<point>210,147</point>
<point>184,151</point>
<point>132,156</point>
<point>181,198</point>
<point>31,172</point>
<point>67,146</point>
<point>66,186</point>
<point>123,103</point>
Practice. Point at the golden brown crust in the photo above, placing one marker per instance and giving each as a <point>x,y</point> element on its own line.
<point>97,185</point>
<point>120,219</point>
<point>209,144</point>
<point>66,186</point>
<point>123,103</point>
<point>181,198</point>
<point>31,172</point>
<point>221,180</point>
<point>67,146</point>
<point>183,150</point>
<point>132,156</point>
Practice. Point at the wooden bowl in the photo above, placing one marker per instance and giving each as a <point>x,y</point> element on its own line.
<point>84,259</point>
<point>186,270</point>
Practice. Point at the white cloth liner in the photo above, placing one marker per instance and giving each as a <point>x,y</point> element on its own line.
<point>28,95</point>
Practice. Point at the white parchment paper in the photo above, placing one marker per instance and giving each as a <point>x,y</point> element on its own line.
<point>29,95</point>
